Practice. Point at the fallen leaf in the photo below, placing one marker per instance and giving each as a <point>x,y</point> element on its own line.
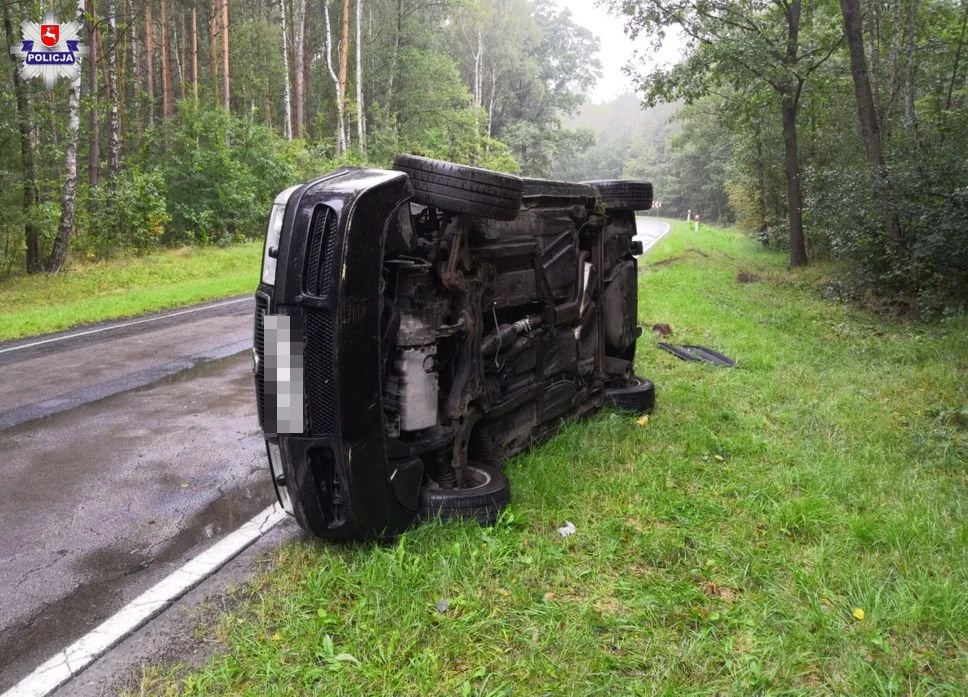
<point>858,613</point>
<point>277,637</point>
<point>644,421</point>
<point>549,596</point>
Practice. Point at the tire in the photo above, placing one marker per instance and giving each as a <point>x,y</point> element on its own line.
<point>461,189</point>
<point>638,395</point>
<point>482,502</point>
<point>624,194</point>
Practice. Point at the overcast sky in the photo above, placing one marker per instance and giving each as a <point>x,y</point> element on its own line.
<point>616,47</point>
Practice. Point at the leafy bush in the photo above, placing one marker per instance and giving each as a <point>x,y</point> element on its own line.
<point>221,174</point>
<point>929,265</point>
<point>130,215</point>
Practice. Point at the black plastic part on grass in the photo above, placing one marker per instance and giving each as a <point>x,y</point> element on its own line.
<point>698,353</point>
<point>483,501</point>
<point>637,395</point>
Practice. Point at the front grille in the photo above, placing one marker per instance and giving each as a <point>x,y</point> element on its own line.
<point>261,308</point>
<point>320,373</point>
<point>321,256</point>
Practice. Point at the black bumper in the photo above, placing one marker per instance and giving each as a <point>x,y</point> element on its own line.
<point>328,281</point>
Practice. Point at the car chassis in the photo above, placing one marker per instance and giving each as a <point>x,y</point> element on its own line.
<point>415,327</point>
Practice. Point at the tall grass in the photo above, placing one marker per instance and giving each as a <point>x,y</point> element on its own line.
<point>108,290</point>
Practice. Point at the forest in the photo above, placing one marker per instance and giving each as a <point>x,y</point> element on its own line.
<point>831,130</point>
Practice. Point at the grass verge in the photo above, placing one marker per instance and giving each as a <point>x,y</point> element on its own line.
<point>796,525</point>
<point>44,303</point>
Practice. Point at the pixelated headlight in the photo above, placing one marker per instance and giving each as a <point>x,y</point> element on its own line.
<point>271,250</point>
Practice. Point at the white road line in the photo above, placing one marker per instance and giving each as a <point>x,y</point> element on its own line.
<point>66,664</point>
<point>124,324</point>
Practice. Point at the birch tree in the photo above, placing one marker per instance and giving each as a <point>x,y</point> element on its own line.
<point>114,134</point>
<point>299,49</point>
<point>287,96</point>
<point>68,212</point>
<point>94,126</point>
<point>340,103</point>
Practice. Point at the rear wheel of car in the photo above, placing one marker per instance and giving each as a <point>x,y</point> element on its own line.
<point>461,189</point>
<point>482,499</point>
<point>624,194</point>
<point>637,395</point>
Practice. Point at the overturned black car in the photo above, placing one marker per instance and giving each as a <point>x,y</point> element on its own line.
<point>415,327</point>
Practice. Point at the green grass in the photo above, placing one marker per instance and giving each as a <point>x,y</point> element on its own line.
<point>721,548</point>
<point>43,303</point>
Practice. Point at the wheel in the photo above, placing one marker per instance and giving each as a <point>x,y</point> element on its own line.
<point>637,395</point>
<point>462,189</point>
<point>488,493</point>
<point>624,194</point>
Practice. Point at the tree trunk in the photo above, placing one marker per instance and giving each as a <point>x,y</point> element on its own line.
<point>195,52</point>
<point>798,248</point>
<point>340,125</point>
<point>360,113</point>
<point>287,97</point>
<point>94,126</point>
<point>396,57</point>
<point>167,107</point>
<point>135,72</point>
<point>867,112</point>
<point>177,54</point>
<point>65,229</point>
<point>909,35</point>
<point>344,51</point>
<point>31,234</point>
<point>490,105</point>
<point>114,135</point>
<point>213,20</point>
<point>299,51</point>
<point>226,93</point>
<point>149,63</point>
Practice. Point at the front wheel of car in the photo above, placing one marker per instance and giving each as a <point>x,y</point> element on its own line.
<point>461,189</point>
<point>637,395</point>
<point>482,498</point>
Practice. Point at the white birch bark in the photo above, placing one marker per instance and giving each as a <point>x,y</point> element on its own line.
<point>298,48</point>
<point>65,229</point>
<point>114,136</point>
<point>287,95</point>
<point>340,128</point>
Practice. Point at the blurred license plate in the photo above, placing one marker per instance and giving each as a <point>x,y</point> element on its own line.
<point>283,374</point>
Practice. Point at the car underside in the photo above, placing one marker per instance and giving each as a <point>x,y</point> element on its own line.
<point>415,327</point>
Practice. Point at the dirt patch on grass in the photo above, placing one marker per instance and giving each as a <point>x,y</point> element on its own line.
<point>725,593</point>
<point>746,277</point>
<point>672,260</point>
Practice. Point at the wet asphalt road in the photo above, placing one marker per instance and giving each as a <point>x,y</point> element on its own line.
<point>649,231</point>
<point>123,454</point>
